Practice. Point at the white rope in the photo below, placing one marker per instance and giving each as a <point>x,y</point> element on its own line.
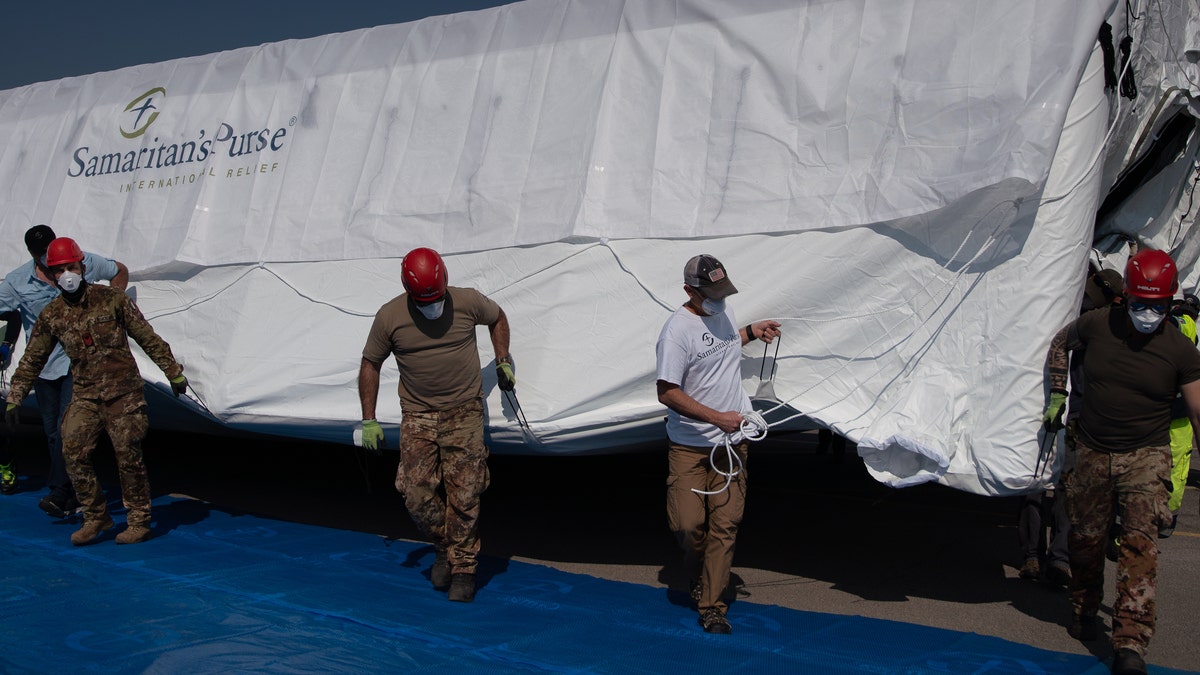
<point>752,428</point>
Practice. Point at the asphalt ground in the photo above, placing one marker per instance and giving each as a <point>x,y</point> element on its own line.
<point>819,533</point>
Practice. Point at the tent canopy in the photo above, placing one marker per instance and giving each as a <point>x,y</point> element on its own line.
<point>908,187</point>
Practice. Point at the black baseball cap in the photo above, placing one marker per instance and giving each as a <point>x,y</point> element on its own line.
<point>707,275</point>
<point>1102,287</point>
<point>38,238</point>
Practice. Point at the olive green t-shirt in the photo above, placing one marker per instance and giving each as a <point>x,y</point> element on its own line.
<point>1131,379</point>
<point>439,359</point>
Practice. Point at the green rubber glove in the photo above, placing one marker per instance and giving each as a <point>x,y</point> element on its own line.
<point>12,415</point>
<point>1054,409</point>
<point>178,385</point>
<point>505,377</point>
<point>372,436</point>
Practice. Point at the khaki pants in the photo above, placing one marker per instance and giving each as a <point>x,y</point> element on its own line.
<point>705,525</point>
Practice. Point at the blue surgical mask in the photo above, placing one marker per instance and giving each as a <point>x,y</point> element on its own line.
<point>433,310</point>
<point>1145,320</point>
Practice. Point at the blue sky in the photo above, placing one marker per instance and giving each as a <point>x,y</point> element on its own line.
<point>47,40</point>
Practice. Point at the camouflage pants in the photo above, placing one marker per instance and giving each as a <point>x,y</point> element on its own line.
<point>124,418</point>
<point>442,474</point>
<point>705,526</point>
<point>1137,483</point>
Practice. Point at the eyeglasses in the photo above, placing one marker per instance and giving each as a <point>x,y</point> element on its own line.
<point>1142,305</point>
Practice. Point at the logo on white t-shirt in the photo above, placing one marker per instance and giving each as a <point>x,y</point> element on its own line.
<point>716,346</point>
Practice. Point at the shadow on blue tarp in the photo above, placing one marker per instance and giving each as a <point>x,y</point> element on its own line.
<point>217,591</point>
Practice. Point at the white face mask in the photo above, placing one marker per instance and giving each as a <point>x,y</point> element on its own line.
<point>713,307</point>
<point>1146,321</point>
<point>69,281</point>
<point>433,310</point>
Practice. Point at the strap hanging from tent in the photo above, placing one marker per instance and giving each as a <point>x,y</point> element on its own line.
<point>766,387</point>
<point>1128,86</point>
<point>1047,447</point>
<point>1110,56</point>
<point>522,421</point>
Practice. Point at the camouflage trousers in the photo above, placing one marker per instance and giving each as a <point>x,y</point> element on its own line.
<point>442,474</point>
<point>124,418</point>
<point>1137,483</point>
<point>705,526</point>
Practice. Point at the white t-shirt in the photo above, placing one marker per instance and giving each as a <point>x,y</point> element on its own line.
<point>702,355</point>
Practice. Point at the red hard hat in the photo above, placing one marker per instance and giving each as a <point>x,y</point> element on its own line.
<point>63,251</point>
<point>1151,274</point>
<point>424,274</point>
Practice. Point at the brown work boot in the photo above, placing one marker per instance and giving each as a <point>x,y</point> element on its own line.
<point>462,587</point>
<point>695,590</point>
<point>1031,570</point>
<point>134,534</point>
<point>714,621</point>
<point>439,574</point>
<point>91,531</point>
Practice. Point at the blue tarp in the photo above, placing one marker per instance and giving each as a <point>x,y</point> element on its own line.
<point>218,591</point>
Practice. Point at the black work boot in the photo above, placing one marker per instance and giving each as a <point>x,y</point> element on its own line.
<point>1059,574</point>
<point>462,587</point>
<point>59,505</point>
<point>1084,628</point>
<point>1128,662</point>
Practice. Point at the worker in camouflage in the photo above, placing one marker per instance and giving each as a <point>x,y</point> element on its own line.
<point>93,324</point>
<point>443,472</point>
<point>1134,365</point>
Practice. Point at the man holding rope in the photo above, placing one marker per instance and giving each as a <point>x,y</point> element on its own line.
<point>700,382</point>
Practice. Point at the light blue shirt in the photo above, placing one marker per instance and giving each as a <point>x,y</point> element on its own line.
<point>22,290</point>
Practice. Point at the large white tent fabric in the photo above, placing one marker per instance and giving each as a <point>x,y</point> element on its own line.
<point>909,187</point>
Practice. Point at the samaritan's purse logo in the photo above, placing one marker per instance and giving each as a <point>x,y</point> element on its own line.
<point>184,153</point>
<point>139,107</point>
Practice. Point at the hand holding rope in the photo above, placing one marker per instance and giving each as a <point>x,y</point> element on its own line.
<point>752,428</point>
